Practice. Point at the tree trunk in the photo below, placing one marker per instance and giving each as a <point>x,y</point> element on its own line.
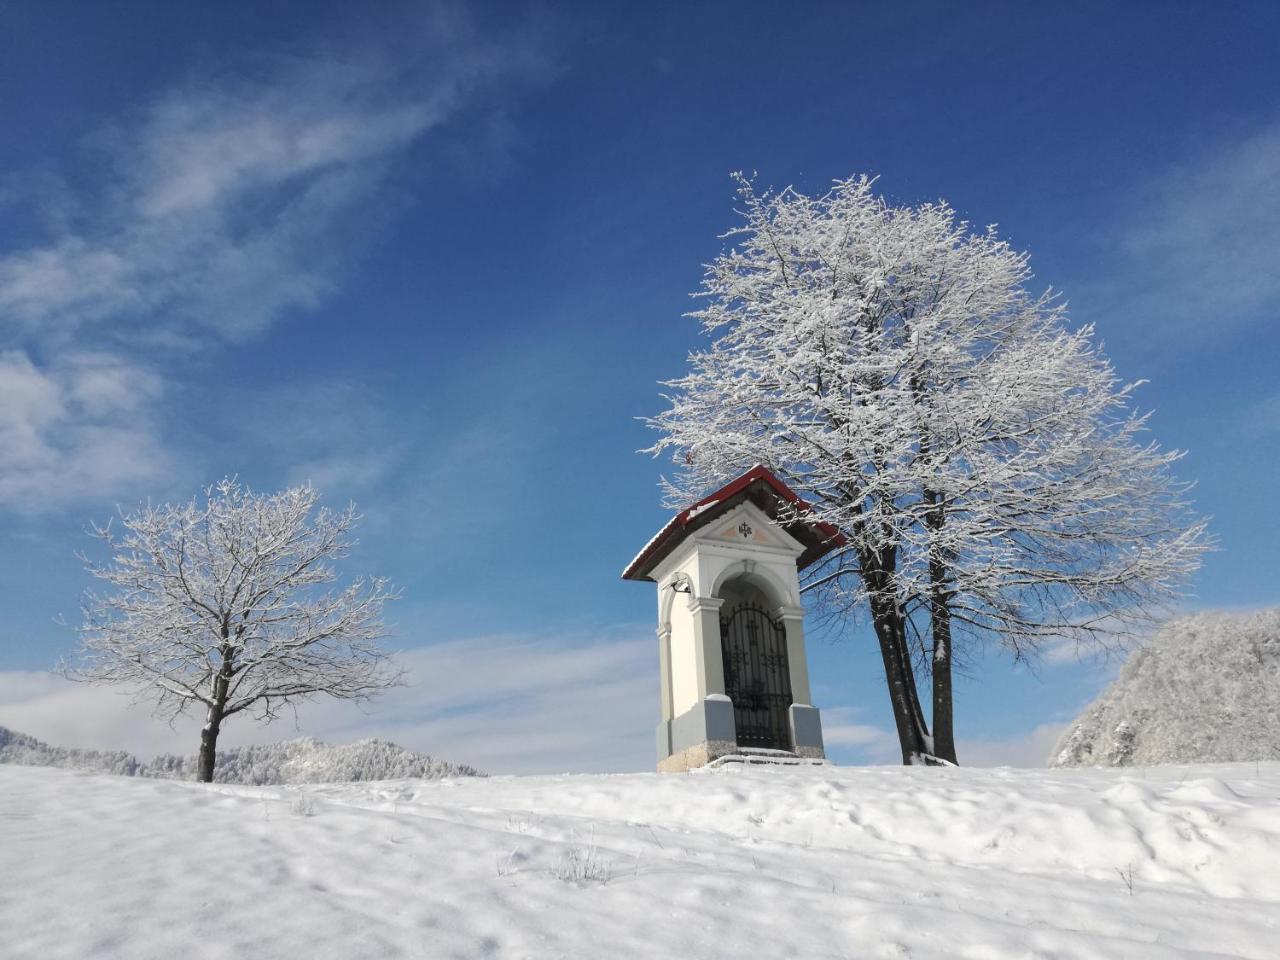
<point>886,618</point>
<point>217,706</point>
<point>944,742</point>
<point>909,679</point>
<point>209,744</point>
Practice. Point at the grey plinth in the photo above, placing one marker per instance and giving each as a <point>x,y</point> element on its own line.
<point>698,736</point>
<point>806,731</point>
<point>707,732</point>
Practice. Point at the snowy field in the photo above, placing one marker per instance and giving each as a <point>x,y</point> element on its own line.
<point>761,863</point>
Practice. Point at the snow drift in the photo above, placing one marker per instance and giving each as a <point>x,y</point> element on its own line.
<point>304,760</point>
<point>1204,688</point>
<point>812,862</point>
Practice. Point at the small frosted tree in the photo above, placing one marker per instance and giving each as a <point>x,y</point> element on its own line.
<point>981,459</point>
<point>223,604</point>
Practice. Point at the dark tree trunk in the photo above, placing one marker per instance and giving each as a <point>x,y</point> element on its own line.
<point>944,741</point>
<point>909,678</point>
<point>943,745</point>
<point>209,744</point>
<point>887,619</point>
<point>217,710</point>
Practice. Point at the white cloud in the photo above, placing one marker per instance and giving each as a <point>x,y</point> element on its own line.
<point>77,715</point>
<point>1030,749</point>
<point>519,704</point>
<point>337,434</point>
<point>505,704</point>
<point>227,202</point>
<point>81,424</point>
<point>841,729</point>
<point>1109,646</point>
<point>1198,259</point>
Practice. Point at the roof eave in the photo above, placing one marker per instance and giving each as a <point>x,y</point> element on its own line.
<point>653,552</point>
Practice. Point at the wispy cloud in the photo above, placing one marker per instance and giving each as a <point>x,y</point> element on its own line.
<point>82,423</point>
<point>232,199</point>
<point>1030,749</point>
<point>1197,258</point>
<point>76,715</point>
<point>337,434</point>
<point>507,704</point>
<point>225,202</point>
<point>841,729</point>
<point>519,704</point>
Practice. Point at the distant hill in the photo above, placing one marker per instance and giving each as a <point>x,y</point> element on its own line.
<point>19,748</point>
<point>305,760</point>
<point>1203,689</point>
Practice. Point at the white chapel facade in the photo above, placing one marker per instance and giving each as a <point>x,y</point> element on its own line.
<point>734,674</point>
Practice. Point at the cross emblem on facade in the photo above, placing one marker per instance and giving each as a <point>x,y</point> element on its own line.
<point>744,528</point>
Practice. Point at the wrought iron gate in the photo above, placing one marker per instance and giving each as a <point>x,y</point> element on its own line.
<point>757,677</point>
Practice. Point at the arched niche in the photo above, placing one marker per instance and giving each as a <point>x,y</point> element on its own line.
<point>756,661</point>
<point>749,576</point>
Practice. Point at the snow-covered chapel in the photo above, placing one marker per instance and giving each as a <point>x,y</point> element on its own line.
<point>734,678</point>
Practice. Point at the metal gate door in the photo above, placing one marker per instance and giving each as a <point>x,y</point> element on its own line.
<point>757,677</point>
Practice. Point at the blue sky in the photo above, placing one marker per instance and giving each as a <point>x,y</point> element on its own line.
<point>435,257</point>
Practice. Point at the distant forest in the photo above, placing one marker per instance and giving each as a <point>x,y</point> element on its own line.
<point>305,760</point>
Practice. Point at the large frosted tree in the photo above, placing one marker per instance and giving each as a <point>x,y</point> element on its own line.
<point>223,604</point>
<point>982,459</point>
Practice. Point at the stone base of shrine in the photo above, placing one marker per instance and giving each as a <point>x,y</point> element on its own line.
<point>698,736</point>
<point>699,755</point>
<point>754,757</point>
<point>806,731</point>
<point>707,732</point>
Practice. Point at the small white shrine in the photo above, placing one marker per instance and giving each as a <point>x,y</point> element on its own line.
<point>734,678</point>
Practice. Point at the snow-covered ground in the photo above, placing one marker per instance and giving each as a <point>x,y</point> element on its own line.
<point>763,863</point>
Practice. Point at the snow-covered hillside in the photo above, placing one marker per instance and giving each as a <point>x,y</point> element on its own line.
<point>20,748</point>
<point>1203,689</point>
<point>768,863</point>
<point>304,760</point>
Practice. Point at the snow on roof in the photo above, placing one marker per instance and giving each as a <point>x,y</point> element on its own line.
<point>817,536</point>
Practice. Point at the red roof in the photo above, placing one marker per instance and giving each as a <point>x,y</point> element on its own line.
<point>758,485</point>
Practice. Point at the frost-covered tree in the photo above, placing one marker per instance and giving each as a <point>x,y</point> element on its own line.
<point>1203,689</point>
<point>223,604</point>
<point>982,459</point>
